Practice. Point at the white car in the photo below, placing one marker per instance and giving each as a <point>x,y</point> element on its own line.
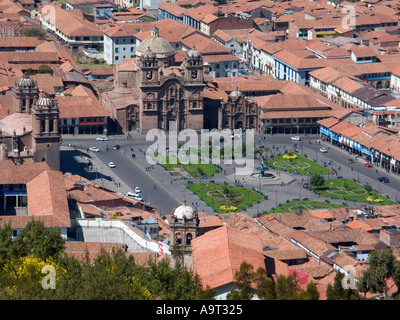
<point>323,150</point>
<point>137,190</point>
<point>94,149</point>
<point>104,138</point>
<point>111,164</point>
<point>295,138</point>
<point>134,195</point>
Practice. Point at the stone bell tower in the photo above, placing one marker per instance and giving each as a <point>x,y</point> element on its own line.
<point>45,131</point>
<point>25,93</point>
<point>184,227</point>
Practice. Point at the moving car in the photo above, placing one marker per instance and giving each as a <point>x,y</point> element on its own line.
<point>103,138</point>
<point>323,150</point>
<point>111,164</point>
<point>350,160</point>
<point>94,149</point>
<point>296,138</point>
<point>116,147</point>
<point>383,179</point>
<point>137,190</point>
<point>367,164</point>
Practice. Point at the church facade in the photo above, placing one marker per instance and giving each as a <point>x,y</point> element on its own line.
<point>31,132</point>
<point>152,92</point>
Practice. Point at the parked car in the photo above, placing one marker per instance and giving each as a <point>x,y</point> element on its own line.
<point>103,138</point>
<point>383,179</point>
<point>111,164</point>
<point>323,150</point>
<point>116,147</point>
<point>367,164</point>
<point>296,138</point>
<point>94,149</point>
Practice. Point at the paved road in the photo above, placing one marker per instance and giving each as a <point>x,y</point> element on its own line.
<point>171,192</point>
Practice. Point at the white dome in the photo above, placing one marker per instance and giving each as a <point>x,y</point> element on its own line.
<point>184,211</point>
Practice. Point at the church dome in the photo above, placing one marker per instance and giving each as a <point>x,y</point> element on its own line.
<point>45,102</point>
<point>158,45</point>
<point>235,94</point>
<point>149,54</point>
<point>26,82</point>
<point>184,211</point>
<point>194,54</point>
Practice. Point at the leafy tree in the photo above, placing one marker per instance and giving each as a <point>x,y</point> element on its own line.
<point>287,288</point>
<point>312,291</point>
<point>38,240</point>
<point>338,291</point>
<point>5,244</point>
<point>243,279</point>
<point>382,265</point>
<point>35,32</point>
<point>317,180</point>
<point>265,286</point>
<point>44,68</point>
<point>368,188</point>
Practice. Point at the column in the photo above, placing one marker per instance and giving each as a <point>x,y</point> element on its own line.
<point>220,115</point>
<point>47,125</point>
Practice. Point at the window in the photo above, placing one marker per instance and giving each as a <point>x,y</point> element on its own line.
<point>116,58</point>
<point>116,50</point>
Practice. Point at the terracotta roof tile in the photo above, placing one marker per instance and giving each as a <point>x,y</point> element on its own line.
<point>217,255</point>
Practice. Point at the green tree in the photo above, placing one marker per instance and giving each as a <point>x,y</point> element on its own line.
<point>38,240</point>
<point>264,285</point>
<point>5,244</point>
<point>287,288</point>
<point>35,32</point>
<point>382,265</point>
<point>312,291</point>
<point>368,188</point>
<point>44,68</point>
<point>243,280</point>
<point>317,180</point>
<point>338,292</point>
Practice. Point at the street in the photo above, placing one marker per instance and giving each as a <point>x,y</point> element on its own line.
<point>165,192</point>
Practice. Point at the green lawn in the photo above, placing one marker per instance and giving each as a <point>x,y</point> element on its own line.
<point>197,171</point>
<point>300,164</point>
<point>224,198</point>
<point>350,191</point>
<point>294,206</point>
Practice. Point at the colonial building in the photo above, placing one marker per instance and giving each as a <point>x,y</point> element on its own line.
<point>150,91</point>
<point>31,132</point>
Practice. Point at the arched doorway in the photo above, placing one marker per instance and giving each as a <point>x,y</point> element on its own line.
<point>239,124</point>
<point>132,125</point>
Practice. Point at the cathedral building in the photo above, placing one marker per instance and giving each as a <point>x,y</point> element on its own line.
<point>152,92</point>
<point>31,132</point>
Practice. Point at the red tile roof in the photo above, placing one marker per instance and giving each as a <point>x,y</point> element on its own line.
<point>217,255</point>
